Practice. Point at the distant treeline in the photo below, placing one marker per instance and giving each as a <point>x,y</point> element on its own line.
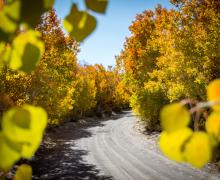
<point>63,87</point>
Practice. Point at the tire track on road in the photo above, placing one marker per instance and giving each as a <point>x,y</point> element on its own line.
<point>118,150</point>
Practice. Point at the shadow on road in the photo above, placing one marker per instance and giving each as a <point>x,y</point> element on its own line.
<point>58,159</point>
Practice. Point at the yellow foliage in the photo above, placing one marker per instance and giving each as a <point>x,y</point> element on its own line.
<point>213,93</point>
<point>174,117</point>
<point>8,155</point>
<point>213,124</point>
<point>24,172</point>
<point>171,144</point>
<point>198,150</point>
<point>197,147</point>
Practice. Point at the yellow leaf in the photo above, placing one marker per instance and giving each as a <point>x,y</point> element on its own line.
<point>171,143</point>
<point>213,93</point>
<point>25,126</point>
<point>9,15</point>
<point>198,150</point>
<point>8,155</point>
<point>173,117</point>
<point>27,50</point>
<point>24,172</point>
<point>37,127</point>
<point>213,124</point>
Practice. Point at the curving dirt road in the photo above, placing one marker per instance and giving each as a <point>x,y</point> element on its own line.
<point>111,149</point>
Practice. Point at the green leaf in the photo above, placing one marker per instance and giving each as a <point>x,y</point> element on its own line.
<point>24,172</point>
<point>9,16</point>
<point>21,118</point>
<point>31,11</point>
<point>12,9</point>
<point>2,47</point>
<point>48,4</point>
<point>173,117</point>
<point>8,155</point>
<point>27,50</point>
<point>30,57</point>
<point>5,53</point>
<point>38,125</point>
<point>98,6</point>
<point>25,126</point>
<point>16,12</point>
<point>79,24</point>
<point>2,54</point>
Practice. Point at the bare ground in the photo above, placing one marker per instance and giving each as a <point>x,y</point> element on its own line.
<point>109,149</point>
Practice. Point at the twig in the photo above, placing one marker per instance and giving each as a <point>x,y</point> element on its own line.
<point>203,105</point>
<point>188,101</point>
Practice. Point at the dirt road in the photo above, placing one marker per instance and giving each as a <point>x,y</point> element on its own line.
<point>110,149</point>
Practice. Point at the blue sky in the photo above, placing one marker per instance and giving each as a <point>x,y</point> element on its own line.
<point>109,36</point>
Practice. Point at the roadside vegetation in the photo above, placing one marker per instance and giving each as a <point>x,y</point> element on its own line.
<point>171,57</point>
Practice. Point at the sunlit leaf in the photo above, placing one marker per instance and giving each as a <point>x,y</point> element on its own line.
<point>7,26</point>
<point>27,50</point>
<point>2,47</point>
<point>5,53</point>
<point>198,150</point>
<point>79,24</point>
<point>12,9</point>
<point>9,17</point>
<point>213,93</point>
<point>174,116</point>
<point>21,11</point>
<point>98,6</point>
<point>16,125</point>
<point>171,144</point>
<point>24,172</point>
<point>25,126</point>
<point>37,127</point>
<point>213,124</point>
<point>8,155</point>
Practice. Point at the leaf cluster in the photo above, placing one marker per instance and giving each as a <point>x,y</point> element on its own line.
<point>179,142</point>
